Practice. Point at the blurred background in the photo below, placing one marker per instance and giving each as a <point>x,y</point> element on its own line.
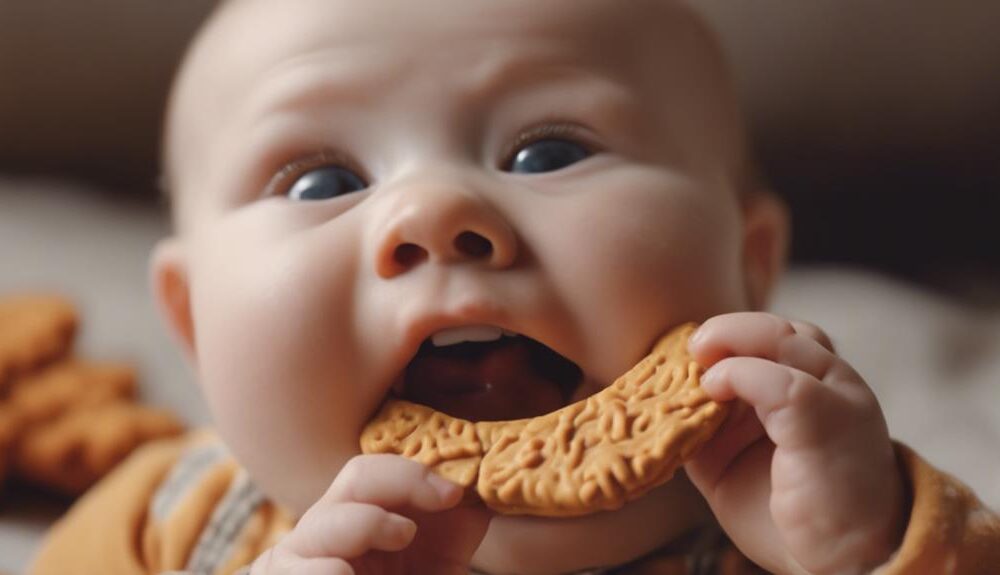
<point>878,122</point>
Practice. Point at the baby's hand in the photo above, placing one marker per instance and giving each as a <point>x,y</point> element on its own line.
<point>806,481</point>
<point>355,528</point>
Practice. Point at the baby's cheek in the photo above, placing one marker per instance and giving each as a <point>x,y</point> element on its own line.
<point>656,257</point>
<point>704,265</point>
<point>672,251</point>
<point>274,361</point>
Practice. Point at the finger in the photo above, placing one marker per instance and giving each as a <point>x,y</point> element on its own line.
<point>325,566</point>
<point>350,530</point>
<point>277,562</point>
<point>739,431</point>
<point>806,354</point>
<point>814,332</point>
<point>322,566</point>
<point>394,482</point>
<point>741,333</point>
<point>763,335</point>
<point>451,538</point>
<point>740,501</point>
<point>795,408</point>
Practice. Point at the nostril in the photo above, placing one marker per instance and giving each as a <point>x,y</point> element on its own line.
<point>473,245</point>
<point>408,255</point>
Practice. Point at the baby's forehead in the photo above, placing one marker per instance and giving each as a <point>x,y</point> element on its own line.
<point>247,39</point>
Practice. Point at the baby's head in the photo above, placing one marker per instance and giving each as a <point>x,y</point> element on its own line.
<point>350,178</point>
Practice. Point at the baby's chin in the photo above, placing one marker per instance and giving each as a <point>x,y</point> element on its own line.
<point>541,546</point>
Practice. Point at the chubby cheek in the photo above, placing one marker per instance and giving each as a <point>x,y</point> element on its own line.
<point>274,352</point>
<point>656,258</point>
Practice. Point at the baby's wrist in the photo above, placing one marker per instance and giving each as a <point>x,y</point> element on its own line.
<point>897,526</point>
<point>876,547</point>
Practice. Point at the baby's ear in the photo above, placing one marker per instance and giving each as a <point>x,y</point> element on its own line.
<point>168,272</point>
<point>766,232</point>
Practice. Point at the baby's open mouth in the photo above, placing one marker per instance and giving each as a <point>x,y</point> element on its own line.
<point>510,377</point>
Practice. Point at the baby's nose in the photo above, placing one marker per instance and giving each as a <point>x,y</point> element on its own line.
<point>442,223</point>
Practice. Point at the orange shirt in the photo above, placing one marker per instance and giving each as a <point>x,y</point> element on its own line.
<point>185,505</point>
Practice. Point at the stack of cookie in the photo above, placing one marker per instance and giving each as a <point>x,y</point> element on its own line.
<point>64,421</point>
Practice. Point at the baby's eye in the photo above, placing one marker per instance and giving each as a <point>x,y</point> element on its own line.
<point>324,183</point>
<point>547,155</point>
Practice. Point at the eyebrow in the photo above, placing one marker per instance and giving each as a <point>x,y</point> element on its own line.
<point>512,74</point>
<point>296,84</point>
<point>311,87</point>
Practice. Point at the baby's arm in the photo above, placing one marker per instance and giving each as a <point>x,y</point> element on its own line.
<point>355,528</point>
<point>180,506</point>
<point>805,480</point>
<point>950,530</point>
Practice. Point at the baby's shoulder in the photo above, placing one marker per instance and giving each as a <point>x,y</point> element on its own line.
<point>177,504</point>
<point>196,463</point>
<point>207,499</point>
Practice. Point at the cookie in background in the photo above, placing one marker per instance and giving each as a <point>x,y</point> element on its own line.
<point>65,421</point>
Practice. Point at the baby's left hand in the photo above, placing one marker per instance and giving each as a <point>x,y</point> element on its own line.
<point>806,481</point>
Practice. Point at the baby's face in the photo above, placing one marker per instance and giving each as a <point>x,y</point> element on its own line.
<point>354,177</point>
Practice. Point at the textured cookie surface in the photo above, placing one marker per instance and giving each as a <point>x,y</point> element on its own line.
<point>593,455</point>
<point>448,445</point>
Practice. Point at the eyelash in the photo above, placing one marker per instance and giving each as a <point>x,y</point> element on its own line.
<point>292,170</point>
<point>546,131</point>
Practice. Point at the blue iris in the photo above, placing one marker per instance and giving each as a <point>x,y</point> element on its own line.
<point>547,155</point>
<point>326,182</point>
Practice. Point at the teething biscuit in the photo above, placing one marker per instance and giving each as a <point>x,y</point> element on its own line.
<point>449,445</point>
<point>593,455</point>
<point>34,329</point>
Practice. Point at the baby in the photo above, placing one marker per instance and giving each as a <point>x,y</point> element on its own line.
<point>359,185</point>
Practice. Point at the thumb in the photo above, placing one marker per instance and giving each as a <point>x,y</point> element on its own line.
<point>447,540</point>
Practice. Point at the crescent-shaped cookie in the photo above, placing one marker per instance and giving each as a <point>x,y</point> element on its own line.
<point>593,455</point>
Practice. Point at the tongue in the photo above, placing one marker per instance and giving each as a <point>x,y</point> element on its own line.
<point>499,383</point>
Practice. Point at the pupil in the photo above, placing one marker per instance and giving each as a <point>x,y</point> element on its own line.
<point>547,156</point>
<point>324,183</point>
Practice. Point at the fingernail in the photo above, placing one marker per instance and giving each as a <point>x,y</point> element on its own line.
<point>401,528</point>
<point>446,489</point>
<point>708,378</point>
<point>696,337</point>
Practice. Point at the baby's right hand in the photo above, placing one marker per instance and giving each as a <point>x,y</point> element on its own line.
<point>383,514</point>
